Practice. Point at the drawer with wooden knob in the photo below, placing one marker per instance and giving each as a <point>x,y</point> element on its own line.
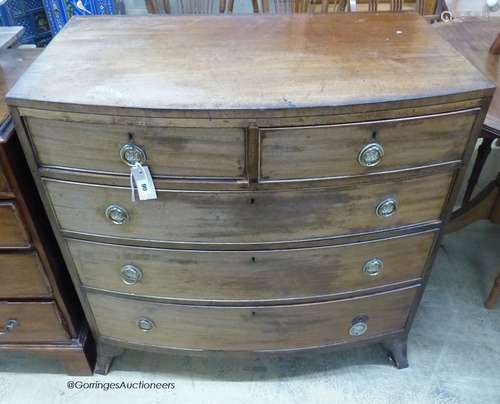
<point>169,152</point>
<point>233,217</point>
<point>254,328</point>
<point>331,151</point>
<point>251,276</point>
<point>22,276</point>
<point>30,322</point>
<point>13,234</point>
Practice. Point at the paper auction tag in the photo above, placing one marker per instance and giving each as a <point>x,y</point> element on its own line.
<point>141,178</point>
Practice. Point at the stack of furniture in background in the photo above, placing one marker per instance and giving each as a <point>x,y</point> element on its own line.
<point>39,311</point>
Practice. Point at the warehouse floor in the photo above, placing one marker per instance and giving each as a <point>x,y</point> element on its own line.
<point>454,354</point>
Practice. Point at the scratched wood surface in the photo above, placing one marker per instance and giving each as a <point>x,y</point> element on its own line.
<point>238,276</point>
<point>245,63</point>
<point>248,217</point>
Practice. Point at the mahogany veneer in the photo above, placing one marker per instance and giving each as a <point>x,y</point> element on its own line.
<point>305,166</point>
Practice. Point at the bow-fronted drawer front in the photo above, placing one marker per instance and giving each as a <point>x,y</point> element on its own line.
<point>258,328</point>
<point>248,217</point>
<point>252,276</point>
<point>332,151</point>
<point>169,152</point>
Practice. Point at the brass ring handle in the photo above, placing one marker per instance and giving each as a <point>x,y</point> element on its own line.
<point>9,326</point>
<point>116,214</point>
<point>387,207</point>
<point>131,154</point>
<point>371,155</point>
<point>145,324</point>
<point>131,274</point>
<point>373,267</point>
<point>359,326</point>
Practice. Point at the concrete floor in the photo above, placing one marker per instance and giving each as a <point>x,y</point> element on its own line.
<point>454,353</point>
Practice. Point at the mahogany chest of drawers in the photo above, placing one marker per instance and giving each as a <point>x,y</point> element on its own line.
<point>39,310</point>
<point>304,167</point>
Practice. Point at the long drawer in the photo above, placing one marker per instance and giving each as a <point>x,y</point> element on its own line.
<point>22,276</point>
<point>13,233</point>
<point>248,217</point>
<point>363,148</point>
<point>184,152</point>
<point>217,276</point>
<point>251,328</point>
<point>30,322</point>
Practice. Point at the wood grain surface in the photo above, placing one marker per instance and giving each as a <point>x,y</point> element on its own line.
<point>13,62</point>
<point>237,276</point>
<point>332,151</point>
<point>248,217</point>
<point>22,276</point>
<point>245,62</point>
<point>38,322</point>
<point>13,232</point>
<point>191,152</point>
<point>473,37</point>
<point>250,328</point>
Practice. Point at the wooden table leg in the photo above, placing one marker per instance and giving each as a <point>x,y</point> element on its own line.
<point>483,152</point>
<point>484,206</point>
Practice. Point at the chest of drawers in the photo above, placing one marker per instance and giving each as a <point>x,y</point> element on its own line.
<point>39,310</point>
<point>304,168</point>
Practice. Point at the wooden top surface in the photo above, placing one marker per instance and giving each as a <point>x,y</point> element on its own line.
<point>248,62</point>
<point>13,63</point>
<point>473,36</point>
<point>9,36</point>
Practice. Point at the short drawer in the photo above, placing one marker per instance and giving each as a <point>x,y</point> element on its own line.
<point>233,276</point>
<point>251,328</point>
<point>22,276</point>
<point>248,217</point>
<point>169,152</point>
<point>12,230</point>
<point>30,322</point>
<point>363,148</point>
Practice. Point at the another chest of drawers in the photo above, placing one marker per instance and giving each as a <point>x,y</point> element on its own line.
<point>39,311</point>
<point>290,215</point>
